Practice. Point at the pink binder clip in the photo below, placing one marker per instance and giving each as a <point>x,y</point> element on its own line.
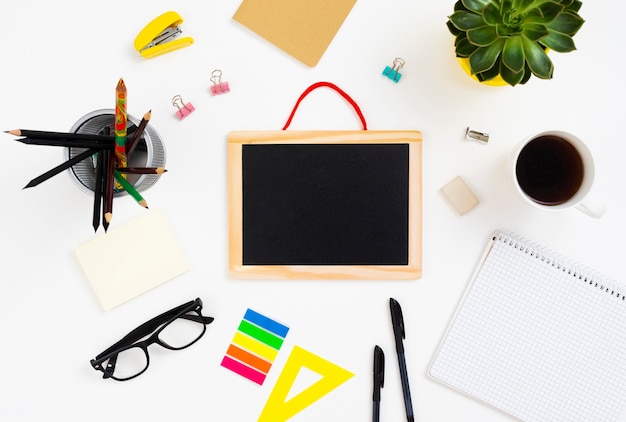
<point>184,110</point>
<point>218,86</point>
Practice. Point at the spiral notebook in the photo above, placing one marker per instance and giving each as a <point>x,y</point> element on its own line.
<point>537,337</point>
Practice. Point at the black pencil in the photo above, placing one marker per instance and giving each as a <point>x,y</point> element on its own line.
<point>66,143</point>
<point>110,188</point>
<point>105,189</point>
<point>62,135</point>
<point>141,170</point>
<point>130,145</point>
<point>97,191</point>
<point>58,169</point>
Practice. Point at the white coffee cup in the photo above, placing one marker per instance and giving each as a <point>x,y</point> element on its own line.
<point>554,170</point>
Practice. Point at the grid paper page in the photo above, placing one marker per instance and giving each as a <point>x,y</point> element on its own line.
<point>537,341</point>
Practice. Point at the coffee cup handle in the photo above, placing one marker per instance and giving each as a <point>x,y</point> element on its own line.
<point>592,207</point>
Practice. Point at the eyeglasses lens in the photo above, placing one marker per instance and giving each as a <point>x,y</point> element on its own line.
<point>182,332</point>
<point>130,362</point>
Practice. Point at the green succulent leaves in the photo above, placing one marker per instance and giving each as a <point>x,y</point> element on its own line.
<point>510,38</point>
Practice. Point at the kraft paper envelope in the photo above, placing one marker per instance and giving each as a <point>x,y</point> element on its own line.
<point>302,28</point>
<point>131,259</point>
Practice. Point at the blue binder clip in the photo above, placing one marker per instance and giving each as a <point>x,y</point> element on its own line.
<point>393,72</point>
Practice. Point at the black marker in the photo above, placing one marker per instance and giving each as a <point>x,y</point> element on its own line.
<point>379,381</point>
<point>398,332</point>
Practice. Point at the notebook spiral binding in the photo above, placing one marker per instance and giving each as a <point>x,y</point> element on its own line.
<point>571,267</point>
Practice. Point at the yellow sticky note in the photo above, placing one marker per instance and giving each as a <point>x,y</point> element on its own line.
<point>302,28</point>
<point>131,259</point>
<point>278,409</point>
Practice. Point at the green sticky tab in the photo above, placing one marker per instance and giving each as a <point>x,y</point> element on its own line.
<point>261,335</point>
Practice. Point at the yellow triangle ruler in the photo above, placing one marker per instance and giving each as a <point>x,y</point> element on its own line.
<point>278,409</point>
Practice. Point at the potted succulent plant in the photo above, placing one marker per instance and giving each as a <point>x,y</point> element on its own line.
<point>510,39</point>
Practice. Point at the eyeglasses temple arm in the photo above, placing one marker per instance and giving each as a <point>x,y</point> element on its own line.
<point>197,318</point>
<point>144,329</point>
<point>149,326</point>
<point>110,366</point>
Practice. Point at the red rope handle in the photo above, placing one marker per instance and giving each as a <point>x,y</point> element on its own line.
<point>336,88</point>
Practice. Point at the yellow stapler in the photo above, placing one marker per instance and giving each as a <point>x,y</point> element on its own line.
<point>157,37</point>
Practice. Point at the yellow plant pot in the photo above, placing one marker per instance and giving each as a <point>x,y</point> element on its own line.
<point>497,81</point>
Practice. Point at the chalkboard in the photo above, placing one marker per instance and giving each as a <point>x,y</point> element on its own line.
<point>340,204</point>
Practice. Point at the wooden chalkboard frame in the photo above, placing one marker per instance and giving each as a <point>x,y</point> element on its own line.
<point>236,140</point>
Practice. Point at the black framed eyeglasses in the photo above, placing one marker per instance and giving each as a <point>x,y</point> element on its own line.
<point>175,329</point>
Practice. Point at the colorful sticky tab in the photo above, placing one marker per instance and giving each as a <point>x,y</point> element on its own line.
<point>254,347</point>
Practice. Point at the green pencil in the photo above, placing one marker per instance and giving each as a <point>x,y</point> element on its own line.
<point>130,189</point>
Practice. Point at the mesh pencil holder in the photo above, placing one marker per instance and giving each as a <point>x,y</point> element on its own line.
<point>149,152</point>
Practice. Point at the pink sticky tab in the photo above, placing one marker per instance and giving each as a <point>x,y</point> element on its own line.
<point>243,370</point>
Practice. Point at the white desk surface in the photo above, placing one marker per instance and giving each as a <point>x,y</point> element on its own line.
<point>63,59</point>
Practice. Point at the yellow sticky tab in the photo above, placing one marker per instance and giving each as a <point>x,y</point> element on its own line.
<point>158,36</point>
<point>255,346</point>
<point>278,409</point>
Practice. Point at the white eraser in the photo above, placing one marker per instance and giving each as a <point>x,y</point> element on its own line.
<point>459,195</point>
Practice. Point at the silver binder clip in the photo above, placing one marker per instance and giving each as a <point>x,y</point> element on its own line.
<point>476,135</point>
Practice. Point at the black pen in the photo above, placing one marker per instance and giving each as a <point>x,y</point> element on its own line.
<point>398,332</point>
<point>379,381</point>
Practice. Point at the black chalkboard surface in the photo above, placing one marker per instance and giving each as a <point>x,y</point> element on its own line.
<point>338,204</point>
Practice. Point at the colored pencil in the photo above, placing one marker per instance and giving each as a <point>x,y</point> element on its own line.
<point>40,134</point>
<point>58,169</point>
<point>120,123</point>
<point>65,143</point>
<point>130,145</point>
<point>141,170</point>
<point>130,189</point>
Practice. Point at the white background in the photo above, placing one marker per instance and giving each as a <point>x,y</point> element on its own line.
<point>63,59</point>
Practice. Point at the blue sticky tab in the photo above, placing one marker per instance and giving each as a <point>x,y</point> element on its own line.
<point>266,323</point>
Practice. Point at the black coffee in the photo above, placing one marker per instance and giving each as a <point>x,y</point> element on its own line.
<point>549,170</point>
